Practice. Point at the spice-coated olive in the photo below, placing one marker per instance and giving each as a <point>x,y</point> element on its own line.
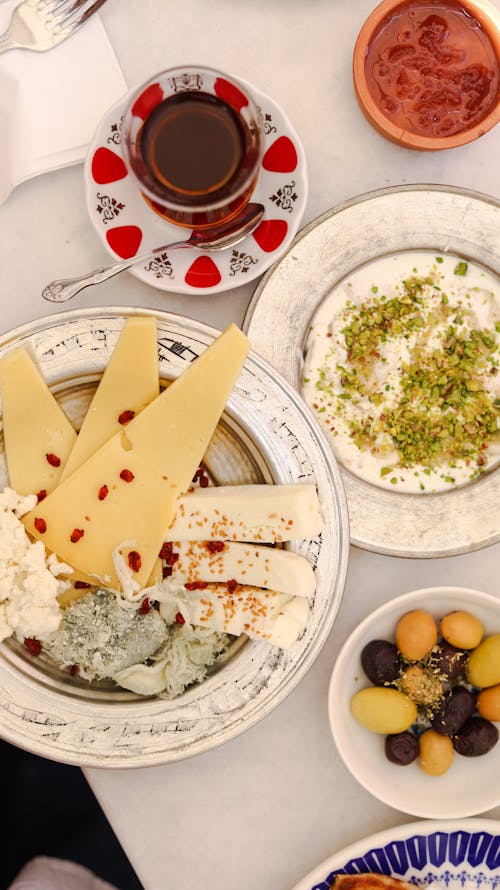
<point>416,634</point>
<point>447,662</point>
<point>456,708</point>
<point>401,748</point>
<point>488,703</point>
<point>477,737</point>
<point>462,630</point>
<point>421,685</point>
<point>381,662</point>
<point>436,753</point>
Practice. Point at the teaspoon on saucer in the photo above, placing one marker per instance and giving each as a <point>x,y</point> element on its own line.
<point>220,238</point>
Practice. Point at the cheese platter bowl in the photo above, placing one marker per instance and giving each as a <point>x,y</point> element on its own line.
<point>267,436</point>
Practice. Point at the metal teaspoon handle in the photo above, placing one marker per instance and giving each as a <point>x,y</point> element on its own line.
<point>64,289</point>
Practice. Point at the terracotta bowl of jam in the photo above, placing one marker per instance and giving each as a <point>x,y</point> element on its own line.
<point>427,72</point>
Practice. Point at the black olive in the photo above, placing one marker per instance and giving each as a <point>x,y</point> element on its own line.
<point>447,661</point>
<point>381,662</point>
<point>452,713</point>
<point>477,737</point>
<point>401,748</point>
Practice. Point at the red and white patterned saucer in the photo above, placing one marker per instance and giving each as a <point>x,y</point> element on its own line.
<point>127,226</point>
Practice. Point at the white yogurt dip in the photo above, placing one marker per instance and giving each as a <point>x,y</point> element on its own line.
<point>401,368</point>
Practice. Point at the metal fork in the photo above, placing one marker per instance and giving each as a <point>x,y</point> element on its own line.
<point>39,25</point>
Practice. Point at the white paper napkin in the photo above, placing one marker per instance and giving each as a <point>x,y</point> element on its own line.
<point>51,103</point>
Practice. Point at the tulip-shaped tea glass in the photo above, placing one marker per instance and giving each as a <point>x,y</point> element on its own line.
<point>193,142</point>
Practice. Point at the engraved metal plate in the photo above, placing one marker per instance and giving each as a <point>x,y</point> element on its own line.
<point>266,435</point>
<point>413,217</point>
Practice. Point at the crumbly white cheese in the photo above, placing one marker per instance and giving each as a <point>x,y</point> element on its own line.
<point>29,583</point>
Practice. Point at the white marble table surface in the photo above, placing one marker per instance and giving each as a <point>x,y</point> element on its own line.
<point>268,806</point>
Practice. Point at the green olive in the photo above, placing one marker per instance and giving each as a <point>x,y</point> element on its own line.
<point>383,710</point>
<point>483,667</point>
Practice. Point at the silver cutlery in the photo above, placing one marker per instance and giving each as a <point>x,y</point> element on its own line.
<point>39,25</point>
<point>216,238</point>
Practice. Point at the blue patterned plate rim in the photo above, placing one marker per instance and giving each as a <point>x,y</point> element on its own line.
<point>450,852</point>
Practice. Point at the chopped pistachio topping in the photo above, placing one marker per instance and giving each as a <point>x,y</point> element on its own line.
<point>376,322</point>
<point>444,414</point>
<point>438,411</point>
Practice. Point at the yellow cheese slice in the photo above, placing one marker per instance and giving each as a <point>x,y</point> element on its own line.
<point>131,379</point>
<point>34,426</point>
<point>161,449</point>
<point>130,382</point>
<point>37,432</point>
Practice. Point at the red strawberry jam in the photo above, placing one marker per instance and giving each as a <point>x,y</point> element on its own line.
<point>432,69</point>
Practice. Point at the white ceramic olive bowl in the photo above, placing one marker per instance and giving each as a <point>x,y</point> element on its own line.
<point>471,784</point>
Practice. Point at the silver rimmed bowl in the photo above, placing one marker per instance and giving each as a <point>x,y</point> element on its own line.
<point>266,435</point>
<point>328,250</point>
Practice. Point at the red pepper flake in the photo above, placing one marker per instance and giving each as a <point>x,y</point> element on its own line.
<point>145,606</point>
<point>204,481</point>
<point>126,416</point>
<point>231,585</point>
<point>33,645</point>
<point>172,559</point>
<point>81,585</point>
<point>199,472</point>
<point>166,571</point>
<point>195,585</point>
<point>215,546</point>
<point>180,618</point>
<point>40,525</point>
<point>103,492</point>
<point>76,534</point>
<point>126,475</point>
<point>166,550</point>
<point>53,460</point>
<point>73,669</point>
<point>134,560</point>
<point>42,494</point>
